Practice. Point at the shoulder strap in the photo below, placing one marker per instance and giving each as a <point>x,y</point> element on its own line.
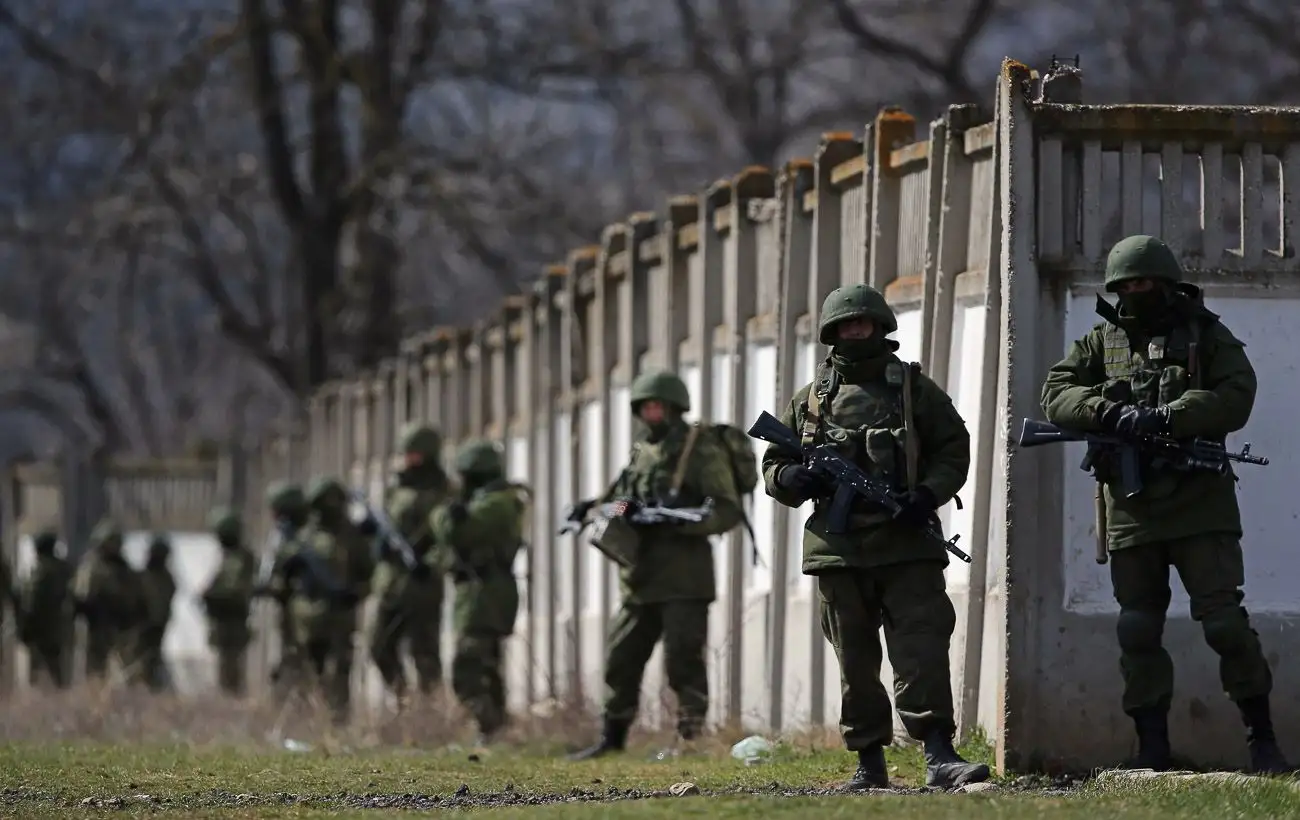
<point>679,475</point>
<point>911,452</point>
<point>821,390</point>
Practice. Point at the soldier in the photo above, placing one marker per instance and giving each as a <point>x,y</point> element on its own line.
<point>159,587</point>
<point>228,601</point>
<point>667,595</point>
<point>901,427</point>
<point>109,595</point>
<point>44,608</point>
<point>290,512</point>
<point>410,603</point>
<point>330,576</point>
<point>1163,364</point>
<point>478,537</point>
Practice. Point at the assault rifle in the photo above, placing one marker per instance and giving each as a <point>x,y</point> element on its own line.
<point>577,516</point>
<point>1131,451</point>
<point>390,537</point>
<point>850,480</point>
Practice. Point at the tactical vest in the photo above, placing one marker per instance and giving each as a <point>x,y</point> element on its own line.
<point>1162,370</point>
<point>656,471</point>
<point>870,423</point>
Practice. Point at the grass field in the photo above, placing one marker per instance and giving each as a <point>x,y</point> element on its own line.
<point>168,758</point>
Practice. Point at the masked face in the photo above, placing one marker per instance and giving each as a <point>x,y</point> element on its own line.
<point>1143,299</point>
<point>857,339</point>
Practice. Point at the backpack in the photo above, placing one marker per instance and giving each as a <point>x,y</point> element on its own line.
<point>744,466</point>
<point>740,452</point>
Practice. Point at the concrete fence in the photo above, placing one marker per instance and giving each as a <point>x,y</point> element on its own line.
<point>988,239</point>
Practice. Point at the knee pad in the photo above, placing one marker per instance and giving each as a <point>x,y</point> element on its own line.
<point>1139,631</point>
<point>1226,631</point>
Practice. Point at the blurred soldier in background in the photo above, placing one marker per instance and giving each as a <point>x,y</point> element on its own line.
<point>478,536</point>
<point>410,602</point>
<point>159,588</point>
<point>330,576</point>
<point>228,601</point>
<point>43,609</point>
<point>667,593</point>
<point>109,596</point>
<point>290,512</point>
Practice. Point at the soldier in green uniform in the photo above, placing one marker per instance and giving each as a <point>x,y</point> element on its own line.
<point>410,602</point>
<point>109,596</point>
<point>667,593</point>
<point>44,604</point>
<point>1161,363</point>
<point>901,427</point>
<point>159,587</point>
<point>289,513</point>
<point>228,601</point>
<point>330,576</point>
<point>478,536</point>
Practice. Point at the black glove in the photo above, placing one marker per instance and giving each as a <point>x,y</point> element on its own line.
<point>459,513</point>
<point>368,526</point>
<point>916,506</point>
<point>579,510</point>
<point>421,570</point>
<point>1131,420</point>
<point>798,479</point>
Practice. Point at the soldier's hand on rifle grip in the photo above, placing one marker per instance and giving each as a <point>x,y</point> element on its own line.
<point>916,506</point>
<point>799,480</point>
<point>579,510</point>
<point>368,526</point>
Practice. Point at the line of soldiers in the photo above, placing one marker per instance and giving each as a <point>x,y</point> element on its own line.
<point>330,558</point>
<point>1159,363</point>
<point>126,610</point>
<point>327,561</point>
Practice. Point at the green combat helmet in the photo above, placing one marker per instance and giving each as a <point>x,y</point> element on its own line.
<point>421,439</point>
<point>854,302</point>
<point>323,488</point>
<point>660,385</point>
<point>285,499</point>
<point>1141,257</point>
<point>479,458</point>
<point>226,525</point>
<point>45,541</point>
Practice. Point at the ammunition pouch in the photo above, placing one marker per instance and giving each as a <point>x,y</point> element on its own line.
<point>618,539</point>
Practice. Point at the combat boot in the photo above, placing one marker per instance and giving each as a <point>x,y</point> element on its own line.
<point>613,738</point>
<point>1152,726</point>
<point>1265,756</point>
<point>871,773</point>
<point>945,769</point>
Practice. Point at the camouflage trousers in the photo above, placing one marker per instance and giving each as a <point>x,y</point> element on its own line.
<point>477,679</point>
<point>1212,570</point>
<point>231,666</point>
<point>910,600</point>
<point>46,663</point>
<point>418,626</point>
<point>683,626</point>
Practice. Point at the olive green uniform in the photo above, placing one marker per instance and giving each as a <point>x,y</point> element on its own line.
<point>324,608</point>
<point>159,586</point>
<point>109,597</point>
<point>44,601</point>
<point>1172,366</point>
<point>228,601</point>
<point>666,594</point>
<point>289,512</point>
<point>478,536</point>
<point>410,603</point>
<point>901,428</point>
